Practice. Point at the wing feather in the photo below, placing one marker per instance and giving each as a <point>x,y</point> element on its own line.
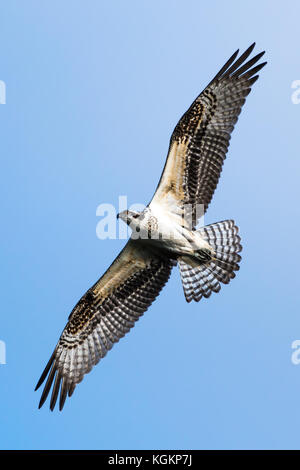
<point>200,140</point>
<point>106,312</point>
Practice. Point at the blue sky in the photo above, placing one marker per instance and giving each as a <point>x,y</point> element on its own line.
<point>94,90</point>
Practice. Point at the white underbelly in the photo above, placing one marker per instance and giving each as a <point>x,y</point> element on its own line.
<point>172,236</point>
<point>177,239</point>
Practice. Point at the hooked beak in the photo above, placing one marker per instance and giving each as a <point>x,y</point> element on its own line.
<point>122,215</point>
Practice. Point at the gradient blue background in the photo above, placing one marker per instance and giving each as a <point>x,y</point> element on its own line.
<point>94,90</point>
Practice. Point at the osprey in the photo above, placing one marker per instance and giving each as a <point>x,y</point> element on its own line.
<point>163,235</point>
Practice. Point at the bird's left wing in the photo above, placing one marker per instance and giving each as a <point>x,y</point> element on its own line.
<point>200,140</point>
<point>102,316</point>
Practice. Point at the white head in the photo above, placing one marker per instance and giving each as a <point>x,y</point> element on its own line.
<point>133,219</point>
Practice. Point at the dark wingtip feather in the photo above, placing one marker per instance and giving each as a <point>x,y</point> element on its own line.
<point>235,67</point>
<point>247,65</point>
<point>71,389</point>
<point>45,372</point>
<point>227,64</point>
<point>63,393</point>
<point>55,391</point>
<point>47,386</point>
<point>253,71</point>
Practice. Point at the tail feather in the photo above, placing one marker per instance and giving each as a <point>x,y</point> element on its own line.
<point>200,281</point>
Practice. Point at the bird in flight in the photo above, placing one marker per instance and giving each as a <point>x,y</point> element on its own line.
<point>163,235</point>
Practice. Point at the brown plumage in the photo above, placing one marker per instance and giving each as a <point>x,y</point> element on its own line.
<point>200,140</point>
<point>102,316</point>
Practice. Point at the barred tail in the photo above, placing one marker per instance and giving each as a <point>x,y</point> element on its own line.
<point>204,279</point>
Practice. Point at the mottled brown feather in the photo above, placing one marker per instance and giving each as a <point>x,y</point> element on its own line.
<point>102,316</point>
<point>200,140</point>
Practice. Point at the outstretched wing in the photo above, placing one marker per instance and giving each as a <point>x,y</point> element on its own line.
<point>102,316</point>
<point>199,142</point>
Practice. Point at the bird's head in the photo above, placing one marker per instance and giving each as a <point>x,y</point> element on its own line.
<point>130,218</point>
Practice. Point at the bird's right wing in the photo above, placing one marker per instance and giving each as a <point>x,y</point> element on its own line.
<point>102,316</point>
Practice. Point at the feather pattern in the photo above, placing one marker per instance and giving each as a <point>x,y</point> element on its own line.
<point>200,140</point>
<point>102,316</point>
<point>201,281</point>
